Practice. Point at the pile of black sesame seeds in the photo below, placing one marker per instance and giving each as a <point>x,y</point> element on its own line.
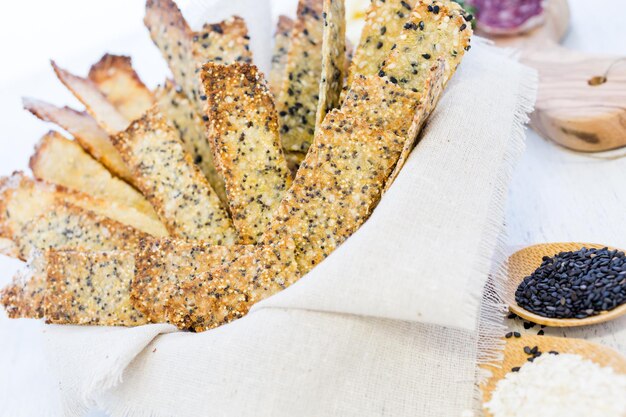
<point>575,284</point>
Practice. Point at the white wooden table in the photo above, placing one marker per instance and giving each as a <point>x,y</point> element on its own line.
<point>556,195</point>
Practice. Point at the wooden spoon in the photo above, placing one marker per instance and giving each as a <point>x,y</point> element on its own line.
<point>524,262</point>
<point>514,356</point>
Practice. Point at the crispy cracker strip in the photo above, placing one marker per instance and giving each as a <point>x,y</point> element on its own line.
<point>299,94</point>
<point>333,58</point>
<point>168,178</point>
<point>90,288</point>
<point>162,265</point>
<point>185,50</point>
<point>61,161</point>
<point>383,24</point>
<point>86,132</point>
<point>115,77</point>
<point>96,103</point>
<point>431,92</point>
<point>177,108</point>
<point>243,130</point>
<point>65,226</point>
<point>23,298</point>
<point>24,199</point>
<point>227,292</point>
<point>336,188</point>
<point>282,42</point>
<point>435,30</point>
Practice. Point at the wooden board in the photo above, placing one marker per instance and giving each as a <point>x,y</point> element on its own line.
<point>524,262</point>
<point>514,356</point>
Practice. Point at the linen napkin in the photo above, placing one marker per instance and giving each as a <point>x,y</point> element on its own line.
<point>395,322</point>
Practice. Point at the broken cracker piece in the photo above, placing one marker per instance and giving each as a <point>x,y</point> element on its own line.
<point>299,95</point>
<point>23,298</point>
<point>282,42</point>
<point>336,188</point>
<point>177,108</point>
<point>90,288</point>
<point>96,103</point>
<point>384,22</point>
<point>85,130</point>
<point>434,30</point>
<point>227,293</point>
<point>61,161</point>
<point>333,58</point>
<point>8,248</point>
<point>115,77</point>
<point>169,179</point>
<point>162,265</point>
<point>243,130</point>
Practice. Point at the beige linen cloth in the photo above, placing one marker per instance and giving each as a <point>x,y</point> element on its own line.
<point>393,323</point>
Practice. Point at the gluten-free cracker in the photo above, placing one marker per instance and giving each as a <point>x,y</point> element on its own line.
<point>243,129</point>
<point>282,42</point>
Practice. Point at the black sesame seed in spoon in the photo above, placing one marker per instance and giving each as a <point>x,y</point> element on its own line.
<point>575,284</point>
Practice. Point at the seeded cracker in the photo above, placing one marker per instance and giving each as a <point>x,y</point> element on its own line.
<point>177,108</point>
<point>115,77</point>
<point>431,93</point>
<point>186,51</point>
<point>90,288</point>
<point>333,58</point>
<point>96,103</point>
<point>85,130</point>
<point>282,42</point>
<point>168,178</point>
<point>61,161</point>
<point>299,95</point>
<point>227,293</point>
<point>243,130</point>
<point>383,24</point>
<point>24,199</point>
<point>23,298</point>
<point>67,226</point>
<point>381,103</point>
<point>162,265</point>
<point>8,248</point>
<point>337,186</point>
<point>435,29</point>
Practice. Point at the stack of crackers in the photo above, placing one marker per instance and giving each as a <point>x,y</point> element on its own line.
<point>190,203</point>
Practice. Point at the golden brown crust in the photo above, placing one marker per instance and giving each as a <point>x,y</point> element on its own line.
<point>115,77</point>
<point>434,30</point>
<point>299,94</point>
<point>383,25</point>
<point>282,43</point>
<point>177,108</point>
<point>336,188</point>
<point>243,130</point>
<point>333,58</point>
<point>90,288</point>
<point>61,161</point>
<point>163,265</point>
<point>96,103</point>
<point>168,178</point>
<point>227,293</point>
<point>85,130</point>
